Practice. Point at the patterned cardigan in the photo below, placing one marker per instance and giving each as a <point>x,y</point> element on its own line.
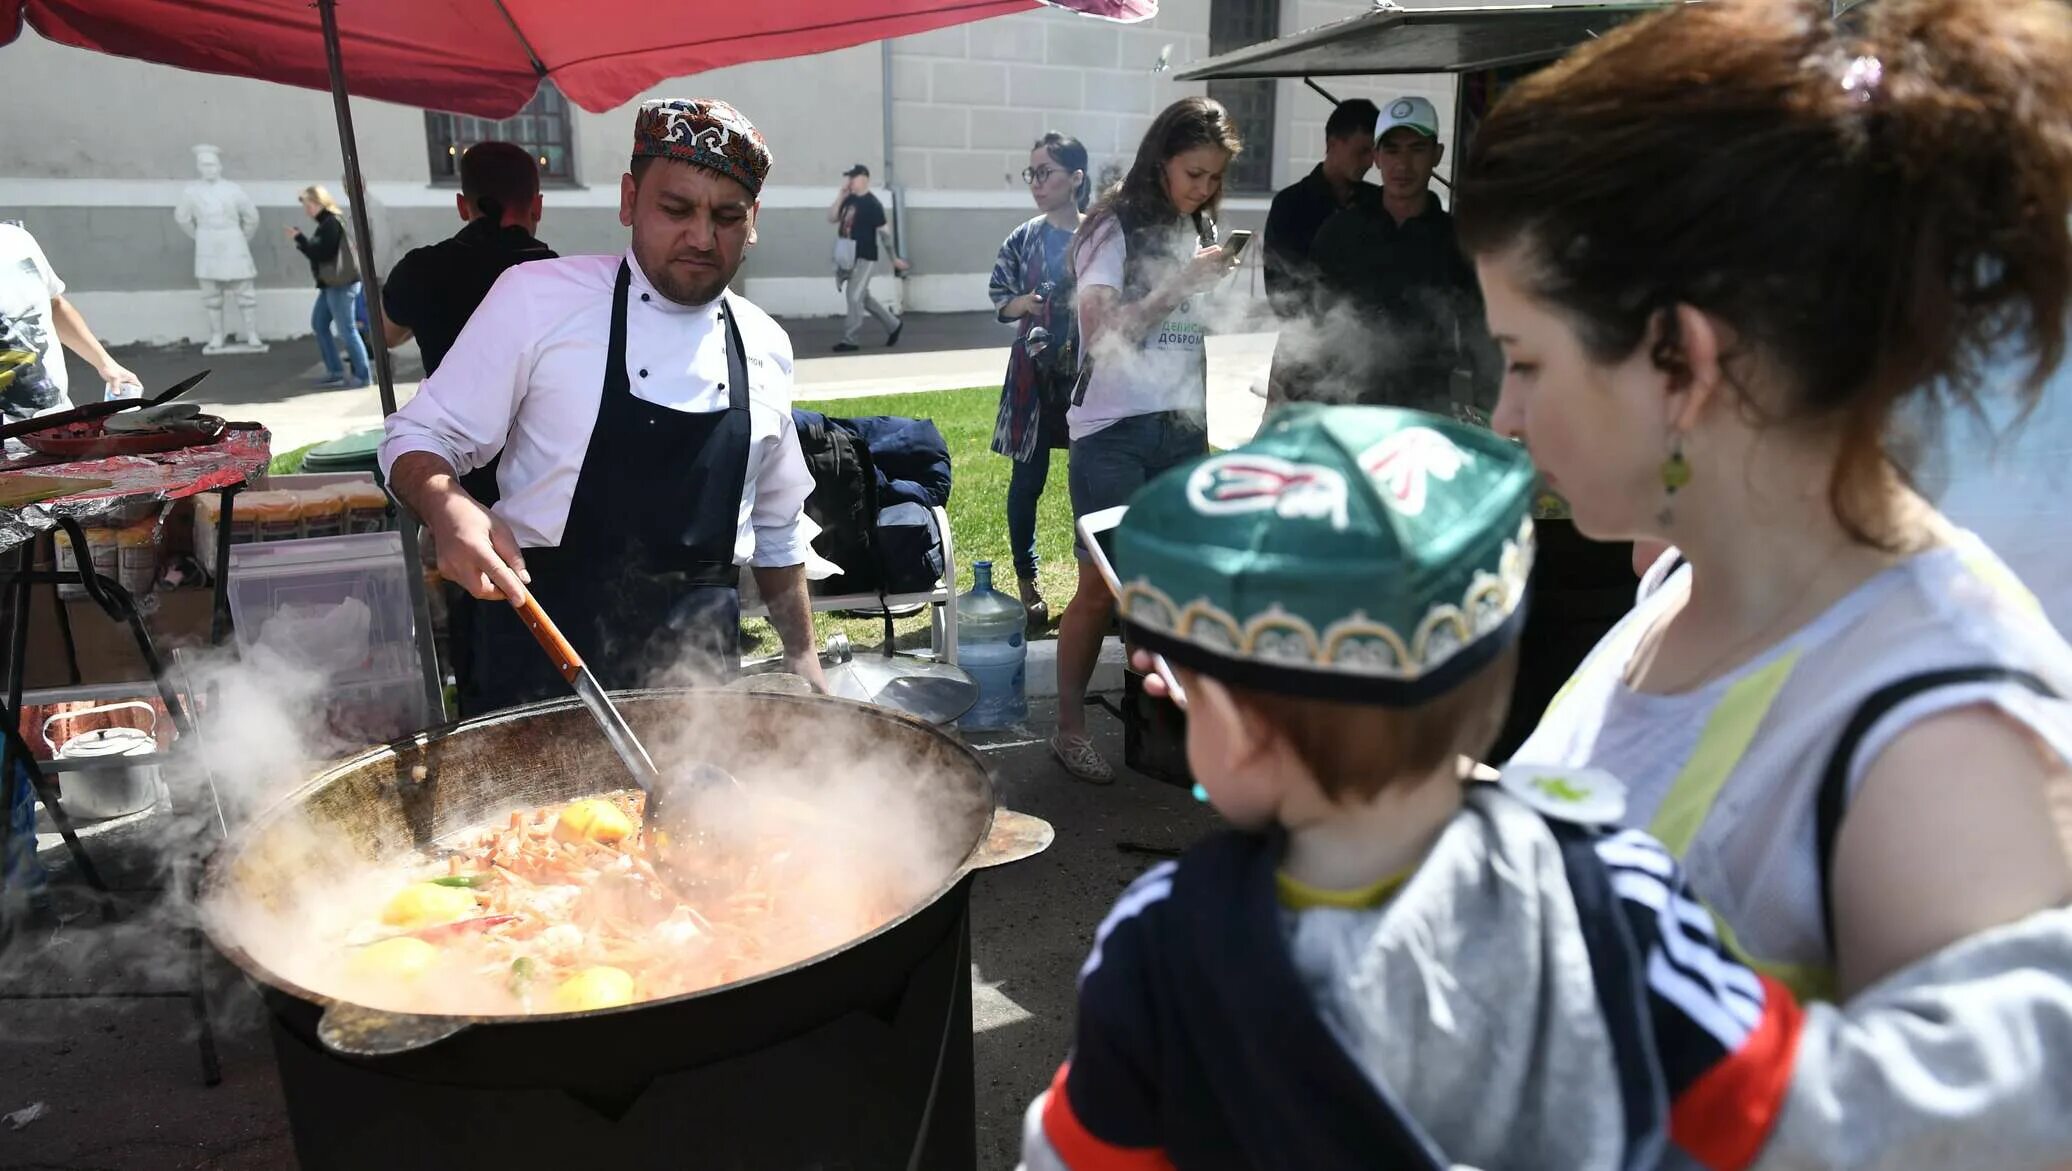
<point>1018,270</point>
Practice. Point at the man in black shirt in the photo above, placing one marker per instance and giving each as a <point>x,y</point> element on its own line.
<point>1398,266</point>
<point>1292,224</point>
<point>861,218</point>
<point>433,290</point>
<point>1300,210</point>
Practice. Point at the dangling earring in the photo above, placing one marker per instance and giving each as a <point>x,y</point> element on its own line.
<point>1676,472</point>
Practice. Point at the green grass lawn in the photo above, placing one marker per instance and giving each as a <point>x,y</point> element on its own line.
<point>978,508</point>
<point>288,463</point>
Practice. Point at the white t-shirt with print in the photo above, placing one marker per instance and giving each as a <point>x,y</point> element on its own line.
<point>1167,371</point>
<point>27,286</point>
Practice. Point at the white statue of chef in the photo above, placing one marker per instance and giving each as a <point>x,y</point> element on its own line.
<point>221,220</point>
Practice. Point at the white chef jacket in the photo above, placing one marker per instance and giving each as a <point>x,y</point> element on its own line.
<point>526,376</point>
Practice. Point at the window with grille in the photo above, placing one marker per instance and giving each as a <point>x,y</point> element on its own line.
<point>542,127</point>
<point>1234,24</point>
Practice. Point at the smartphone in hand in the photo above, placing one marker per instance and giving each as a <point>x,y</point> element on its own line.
<point>1097,532</point>
<point>1235,245</point>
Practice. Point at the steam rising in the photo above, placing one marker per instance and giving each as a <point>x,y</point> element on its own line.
<point>874,827</point>
<point>1335,352</point>
<point>260,729</point>
<point>840,829</point>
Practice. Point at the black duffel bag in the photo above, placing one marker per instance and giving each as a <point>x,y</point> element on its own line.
<point>875,482</point>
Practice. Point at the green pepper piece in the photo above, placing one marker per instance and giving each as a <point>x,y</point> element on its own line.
<point>470,881</point>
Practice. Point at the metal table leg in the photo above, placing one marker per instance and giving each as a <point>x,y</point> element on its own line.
<point>117,603</point>
<point>219,573</point>
<point>10,782</point>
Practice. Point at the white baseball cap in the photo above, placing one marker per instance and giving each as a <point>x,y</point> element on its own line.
<point>1417,113</point>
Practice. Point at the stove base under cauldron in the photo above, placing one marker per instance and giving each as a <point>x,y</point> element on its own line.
<point>856,1092</point>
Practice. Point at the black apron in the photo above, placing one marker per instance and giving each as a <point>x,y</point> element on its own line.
<point>644,582</point>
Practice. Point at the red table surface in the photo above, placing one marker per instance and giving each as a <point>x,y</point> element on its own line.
<point>240,457</point>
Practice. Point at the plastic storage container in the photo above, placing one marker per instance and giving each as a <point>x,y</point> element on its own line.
<point>337,608</point>
<point>992,647</point>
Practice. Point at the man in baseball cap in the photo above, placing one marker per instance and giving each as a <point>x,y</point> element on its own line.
<point>861,228</point>
<point>1399,268</point>
<point>1414,112</point>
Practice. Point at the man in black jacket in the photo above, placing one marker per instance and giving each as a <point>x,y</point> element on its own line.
<point>1397,268</point>
<point>1298,213</point>
<point>1300,210</point>
<point>433,290</point>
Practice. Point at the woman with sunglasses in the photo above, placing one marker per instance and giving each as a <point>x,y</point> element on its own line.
<point>1032,285</point>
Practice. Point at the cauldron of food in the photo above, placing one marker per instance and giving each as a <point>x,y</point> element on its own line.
<point>856,1055</point>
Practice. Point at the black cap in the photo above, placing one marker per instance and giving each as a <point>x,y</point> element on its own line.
<point>858,169</point>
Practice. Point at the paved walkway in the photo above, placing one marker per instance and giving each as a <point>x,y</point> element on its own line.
<point>938,352</point>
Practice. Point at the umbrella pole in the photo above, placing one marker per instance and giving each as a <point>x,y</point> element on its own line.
<point>384,371</point>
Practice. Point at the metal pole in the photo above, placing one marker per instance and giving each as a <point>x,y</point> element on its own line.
<point>892,187</point>
<point>363,238</point>
<point>1311,83</point>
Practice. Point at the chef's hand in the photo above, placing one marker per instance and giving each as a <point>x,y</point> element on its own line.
<point>806,666</point>
<point>477,550</point>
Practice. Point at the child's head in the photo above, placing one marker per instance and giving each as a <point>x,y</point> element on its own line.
<point>1342,597</point>
<point>1246,746</point>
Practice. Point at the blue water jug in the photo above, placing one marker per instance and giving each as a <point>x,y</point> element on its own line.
<point>992,647</point>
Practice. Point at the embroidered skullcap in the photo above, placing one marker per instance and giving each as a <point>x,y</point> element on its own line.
<point>705,133</point>
<point>1366,554</point>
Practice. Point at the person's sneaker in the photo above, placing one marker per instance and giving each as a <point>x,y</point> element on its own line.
<point>1034,606</point>
<point>1078,755</point>
<point>892,339</point>
<point>333,381</point>
<point>846,347</point>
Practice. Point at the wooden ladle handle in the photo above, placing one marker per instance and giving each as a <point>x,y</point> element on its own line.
<point>566,660</point>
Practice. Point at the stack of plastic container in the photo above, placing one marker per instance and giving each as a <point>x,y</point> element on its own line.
<point>333,616</point>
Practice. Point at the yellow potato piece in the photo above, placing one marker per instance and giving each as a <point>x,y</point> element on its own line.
<point>594,988</point>
<point>427,904</point>
<point>593,819</point>
<point>401,958</point>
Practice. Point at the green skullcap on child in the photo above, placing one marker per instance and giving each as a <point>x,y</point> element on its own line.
<point>1352,553</point>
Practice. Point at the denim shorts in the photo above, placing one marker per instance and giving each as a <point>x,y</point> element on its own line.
<point>1109,466</point>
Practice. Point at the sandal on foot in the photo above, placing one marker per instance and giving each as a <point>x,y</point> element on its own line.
<point>1079,757</point>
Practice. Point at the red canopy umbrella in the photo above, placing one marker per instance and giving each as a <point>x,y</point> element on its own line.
<point>486,58</point>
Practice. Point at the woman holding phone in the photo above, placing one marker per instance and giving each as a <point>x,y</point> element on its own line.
<point>1032,285</point>
<point>1144,255</point>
